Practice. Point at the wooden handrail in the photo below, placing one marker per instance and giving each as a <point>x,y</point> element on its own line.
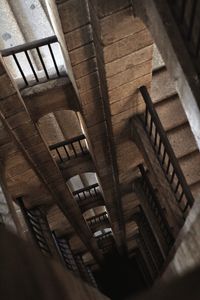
<point>85,189</point>
<point>35,76</point>
<point>104,235</point>
<point>68,142</point>
<point>168,149</point>
<point>97,217</point>
<point>29,46</point>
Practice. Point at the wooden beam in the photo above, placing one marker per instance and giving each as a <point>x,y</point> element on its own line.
<point>87,85</point>
<point>116,213</point>
<point>19,124</point>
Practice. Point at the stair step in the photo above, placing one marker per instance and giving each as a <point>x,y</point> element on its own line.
<point>190,165</point>
<point>171,113</point>
<point>162,86</point>
<point>195,189</point>
<point>182,140</point>
<point>174,121</point>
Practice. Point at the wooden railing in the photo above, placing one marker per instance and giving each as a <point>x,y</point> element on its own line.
<point>156,208</point>
<point>85,271</point>
<point>89,197</point>
<point>148,235</point>
<point>73,262</point>
<point>91,277</point>
<point>186,15</point>
<point>143,266</point>
<point>105,242</point>
<point>70,149</point>
<point>146,253</point>
<point>148,242</point>
<point>165,154</point>
<point>36,224</point>
<point>98,220</point>
<point>30,50</point>
<point>91,191</point>
<point>66,254</point>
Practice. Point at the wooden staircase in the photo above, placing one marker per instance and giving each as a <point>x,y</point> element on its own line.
<point>173,118</point>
